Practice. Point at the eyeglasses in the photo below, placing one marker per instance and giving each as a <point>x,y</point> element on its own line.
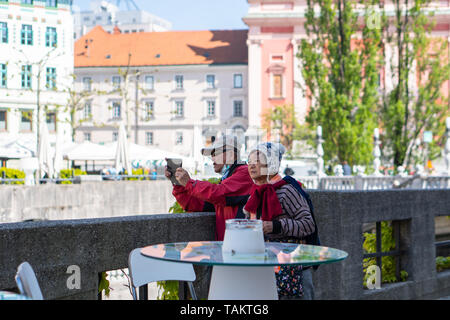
<point>218,152</point>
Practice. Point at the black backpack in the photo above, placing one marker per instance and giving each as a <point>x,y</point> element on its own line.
<point>314,237</point>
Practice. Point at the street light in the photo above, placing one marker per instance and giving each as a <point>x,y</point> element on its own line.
<point>136,111</point>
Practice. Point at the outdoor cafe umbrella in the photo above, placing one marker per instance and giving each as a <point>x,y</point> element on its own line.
<point>122,160</point>
<point>17,149</point>
<point>45,152</point>
<point>197,147</point>
<point>58,159</point>
<point>87,151</point>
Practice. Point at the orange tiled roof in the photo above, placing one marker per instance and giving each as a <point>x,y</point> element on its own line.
<point>99,48</point>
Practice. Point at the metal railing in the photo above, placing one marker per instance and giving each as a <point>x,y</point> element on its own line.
<point>310,182</point>
<point>374,182</point>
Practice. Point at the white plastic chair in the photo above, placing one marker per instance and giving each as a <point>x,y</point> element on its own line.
<point>144,270</point>
<point>27,282</point>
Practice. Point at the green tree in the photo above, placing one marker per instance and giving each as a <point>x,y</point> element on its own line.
<point>283,118</point>
<point>340,64</point>
<point>419,67</point>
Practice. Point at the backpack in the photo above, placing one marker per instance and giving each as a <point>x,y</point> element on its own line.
<point>312,239</point>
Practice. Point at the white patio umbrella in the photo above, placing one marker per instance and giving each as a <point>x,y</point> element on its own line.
<point>17,149</point>
<point>45,152</point>
<point>88,151</point>
<point>197,147</point>
<point>58,159</point>
<point>122,160</point>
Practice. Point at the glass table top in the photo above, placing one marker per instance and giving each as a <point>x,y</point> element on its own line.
<point>6,295</point>
<point>276,254</point>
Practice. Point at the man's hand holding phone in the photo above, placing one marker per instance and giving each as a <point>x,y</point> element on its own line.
<point>175,172</point>
<point>182,176</point>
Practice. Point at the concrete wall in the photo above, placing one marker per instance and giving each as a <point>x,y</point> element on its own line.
<point>95,245</point>
<point>86,200</point>
<point>341,216</point>
<point>98,245</point>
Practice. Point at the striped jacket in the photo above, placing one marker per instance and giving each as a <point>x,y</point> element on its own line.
<point>296,221</point>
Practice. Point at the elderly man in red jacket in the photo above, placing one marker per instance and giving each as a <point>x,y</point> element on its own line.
<point>228,197</point>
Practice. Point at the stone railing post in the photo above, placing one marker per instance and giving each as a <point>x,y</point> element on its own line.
<point>447,148</point>
<point>320,153</point>
<point>376,152</point>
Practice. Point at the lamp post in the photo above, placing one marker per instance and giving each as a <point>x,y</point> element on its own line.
<point>427,139</point>
<point>320,153</point>
<point>136,107</point>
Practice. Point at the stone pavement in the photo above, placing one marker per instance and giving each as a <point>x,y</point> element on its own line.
<point>119,289</point>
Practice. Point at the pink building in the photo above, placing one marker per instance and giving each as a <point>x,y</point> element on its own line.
<point>276,28</point>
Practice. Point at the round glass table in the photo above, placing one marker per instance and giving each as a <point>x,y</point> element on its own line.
<point>6,295</point>
<point>239,276</point>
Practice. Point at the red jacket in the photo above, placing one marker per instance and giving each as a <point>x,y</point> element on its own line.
<point>227,198</point>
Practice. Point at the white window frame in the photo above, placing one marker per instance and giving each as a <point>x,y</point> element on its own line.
<point>208,107</point>
<point>283,57</point>
<point>113,110</point>
<point>151,135</point>
<point>115,136</point>
<point>87,110</point>
<point>31,120</point>
<point>234,108</point>
<point>147,116</point>
<point>175,108</point>
<point>87,136</point>
<point>234,80</point>
<point>52,125</point>
<point>87,84</point>
<point>146,83</point>
<point>177,82</point>
<point>116,84</point>
<point>272,86</point>
<point>178,135</point>
<point>6,120</point>
<point>211,85</point>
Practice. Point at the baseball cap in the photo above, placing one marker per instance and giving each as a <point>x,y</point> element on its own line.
<point>221,144</point>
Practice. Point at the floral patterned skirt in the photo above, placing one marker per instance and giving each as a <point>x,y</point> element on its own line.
<point>289,281</point>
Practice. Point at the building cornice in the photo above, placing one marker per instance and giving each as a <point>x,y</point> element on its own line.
<point>297,17</point>
<point>175,66</point>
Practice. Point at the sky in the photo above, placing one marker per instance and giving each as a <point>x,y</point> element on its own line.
<point>190,14</point>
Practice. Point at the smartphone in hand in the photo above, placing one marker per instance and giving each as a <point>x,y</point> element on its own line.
<point>172,165</point>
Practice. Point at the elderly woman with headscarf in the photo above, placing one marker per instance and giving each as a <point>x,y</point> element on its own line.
<point>286,213</point>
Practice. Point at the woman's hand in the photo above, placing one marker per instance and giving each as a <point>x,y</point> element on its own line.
<point>267,227</point>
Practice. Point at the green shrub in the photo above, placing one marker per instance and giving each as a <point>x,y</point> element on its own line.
<point>104,284</point>
<point>136,172</point>
<point>442,263</point>
<point>388,263</point>
<point>69,174</point>
<point>9,173</point>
